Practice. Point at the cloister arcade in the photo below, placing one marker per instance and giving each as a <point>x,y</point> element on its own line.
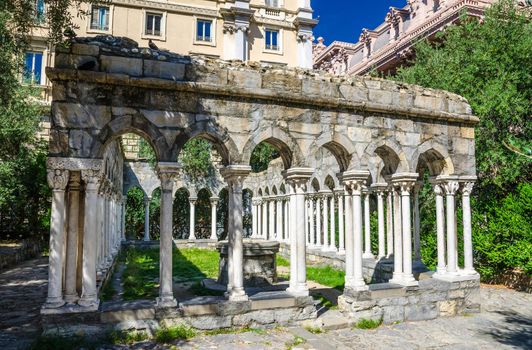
<point>343,144</point>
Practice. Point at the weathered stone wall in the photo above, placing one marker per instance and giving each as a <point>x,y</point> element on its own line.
<point>169,99</point>
<point>431,299</point>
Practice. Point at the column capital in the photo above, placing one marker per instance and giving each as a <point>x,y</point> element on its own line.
<point>214,200</point>
<point>379,188</point>
<point>92,179</point>
<point>467,188</point>
<point>147,200</point>
<point>298,178</point>
<point>449,184</point>
<point>438,190</point>
<point>168,173</point>
<point>192,200</point>
<point>58,179</point>
<point>405,181</point>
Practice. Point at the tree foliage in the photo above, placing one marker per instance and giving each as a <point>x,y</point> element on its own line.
<point>489,63</point>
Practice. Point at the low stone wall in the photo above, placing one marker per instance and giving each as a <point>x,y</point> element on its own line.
<point>204,313</point>
<point>12,254</point>
<point>431,299</point>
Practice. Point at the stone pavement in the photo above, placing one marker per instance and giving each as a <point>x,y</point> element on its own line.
<point>504,323</point>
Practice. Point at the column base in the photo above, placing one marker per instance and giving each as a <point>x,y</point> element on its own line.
<point>470,272</point>
<point>53,303</point>
<point>440,271</point>
<point>216,238</point>
<point>89,303</point>
<point>236,294</point>
<point>341,252</point>
<point>404,280</point>
<point>71,298</point>
<point>455,278</point>
<point>165,301</point>
<point>298,291</point>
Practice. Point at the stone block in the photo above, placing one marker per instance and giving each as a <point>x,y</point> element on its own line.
<point>209,322</point>
<point>70,115</point>
<point>391,314</point>
<point>433,103</point>
<point>421,312</point>
<point>353,93</point>
<point>127,315</point>
<point>448,307</point>
<point>233,307</point>
<point>244,79</point>
<point>258,316</point>
<point>164,70</point>
<point>272,303</point>
<point>166,119</point>
<point>199,309</point>
<point>79,142</point>
<point>359,134</point>
<point>121,65</point>
<point>402,99</point>
<point>380,96</point>
<point>206,74</point>
<point>84,49</point>
<point>281,81</point>
<point>323,89</point>
<point>74,61</point>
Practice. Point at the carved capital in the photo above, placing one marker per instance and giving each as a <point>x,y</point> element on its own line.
<point>438,191</point>
<point>235,175</point>
<point>450,187</point>
<point>304,37</point>
<point>92,179</point>
<point>58,179</point>
<point>168,174</point>
<point>229,28</point>
<point>467,188</point>
<point>214,200</point>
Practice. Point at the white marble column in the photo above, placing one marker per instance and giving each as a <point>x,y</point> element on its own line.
<point>234,175</point>
<point>332,209</point>
<point>168,173</point>
<point>58,180</point>
<point>451,187</point>
<point>147,201</point>
<point>123,222</point>
<point>71,294</point>
<point>326,213</point>
<point>379,190</point>
<point>286,220</point>
<point>406,183</point>
<point>264,218</point>
<point>389,223</point>
<point>312,227</point>
<point>318,221</point>
<point>397,238</point>
<point>192,221</point>
<point>440,229</point>
<point>89,296</point>
<point>367,229</point>
<point>467,188</point>
<point>271,218</point>
<point>214,204</point>
<point>341,226</point>
<point>279,215</point>
<point>349,245</point>
<point>297,178</point>
<point>417,223</point>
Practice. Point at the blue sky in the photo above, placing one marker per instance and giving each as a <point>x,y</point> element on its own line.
<point>344,19</point>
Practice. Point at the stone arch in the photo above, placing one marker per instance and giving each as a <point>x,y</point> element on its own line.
<point>259,192</point>
<point>385,158</point>
<point>266,191</point>
<point>274,190</point>
<point>329,182</point>
<point>315,184</point>
<point>136,124</point>
<point>282,141</point>
<point>341,147</point>
<point>220,139</point>
<point>282,189</point>
<point>435,156</point>
<point>204,188</point>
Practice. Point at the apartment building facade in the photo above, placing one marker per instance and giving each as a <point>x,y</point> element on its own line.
<point>278,32</point>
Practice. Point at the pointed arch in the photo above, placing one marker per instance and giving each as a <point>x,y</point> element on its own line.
<point>435,157</point>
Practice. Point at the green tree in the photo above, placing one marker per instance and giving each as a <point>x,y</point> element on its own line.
<point>489,63</point>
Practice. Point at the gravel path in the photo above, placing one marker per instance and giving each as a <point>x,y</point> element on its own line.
<point>504,323</point>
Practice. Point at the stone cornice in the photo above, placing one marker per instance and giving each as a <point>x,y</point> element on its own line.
<point>267,94</point>
<point>171,7</point>
<point>74,164</point>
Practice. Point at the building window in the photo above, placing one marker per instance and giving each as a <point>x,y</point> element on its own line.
<point>272,39</point>
<point>39,11</point>
<point>153,24</point>
<point>33,68</point>
<point>272,3</point>
<point>100,18</point>
<point>203,30</point>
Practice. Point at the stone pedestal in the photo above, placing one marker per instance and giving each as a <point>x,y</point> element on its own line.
<point>259,262</point>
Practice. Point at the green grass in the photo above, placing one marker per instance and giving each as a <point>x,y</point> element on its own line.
<point>324,301</point>
<point>127,337</point>
<point>314,330</point>
<point>368,324</point>
<point>295,342</point>
<point>168,334</point>
<point>325,275</point>
<point>198,289</point>
<point>142,270</point>
<point>234,331</point>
